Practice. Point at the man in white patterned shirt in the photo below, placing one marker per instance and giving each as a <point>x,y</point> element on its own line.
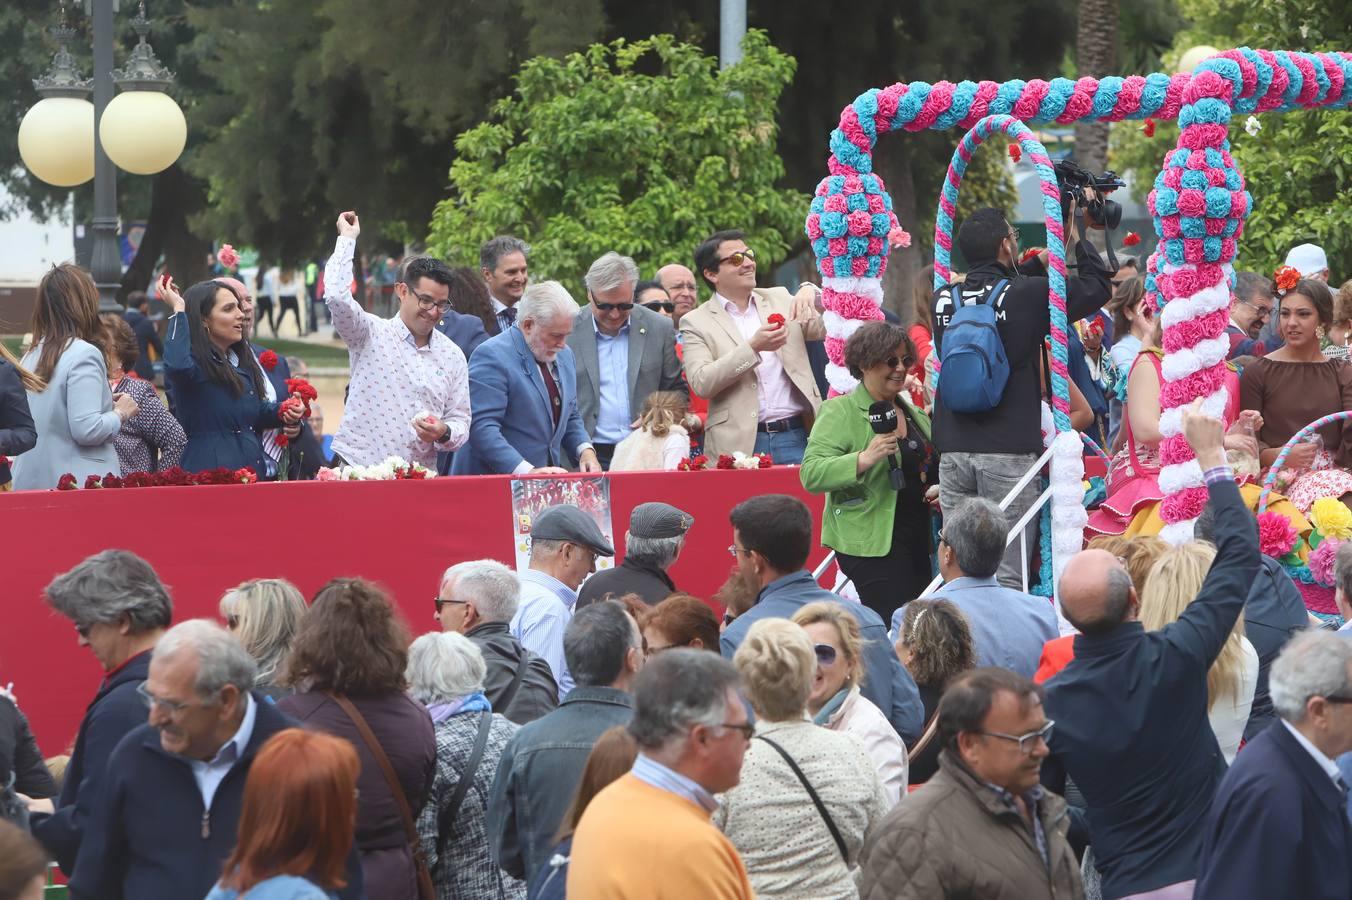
<point>409,393</point>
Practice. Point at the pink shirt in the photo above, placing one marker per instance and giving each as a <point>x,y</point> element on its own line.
<point>778,399</point>
<point>393,379</point>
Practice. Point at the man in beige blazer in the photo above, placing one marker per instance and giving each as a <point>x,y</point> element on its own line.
<point>754,372</point>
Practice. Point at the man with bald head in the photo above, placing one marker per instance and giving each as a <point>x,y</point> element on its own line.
<point>1131,708</point>
<point>679,283</point>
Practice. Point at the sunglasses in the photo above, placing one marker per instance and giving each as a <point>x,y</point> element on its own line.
<point>905,362</point>
<point>740,257</point>
<point>826,654</point>
<point>440,603</point>
<point>660,306</point>
<point>607,307</point>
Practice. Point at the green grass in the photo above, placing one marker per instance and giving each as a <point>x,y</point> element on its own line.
<point>317,356</point>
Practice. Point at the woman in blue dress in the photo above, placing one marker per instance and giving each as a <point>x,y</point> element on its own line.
<point>215,380</point>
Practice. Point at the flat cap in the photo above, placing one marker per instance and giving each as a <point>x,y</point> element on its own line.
<point>568,523</point>
<point>659,520</point>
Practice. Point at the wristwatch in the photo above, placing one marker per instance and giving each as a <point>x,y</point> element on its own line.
<point>445,437</point>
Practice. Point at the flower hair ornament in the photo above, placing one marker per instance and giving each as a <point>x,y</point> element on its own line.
<point>1286,278</point>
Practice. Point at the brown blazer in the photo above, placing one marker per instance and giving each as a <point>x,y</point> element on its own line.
<point>720,365</point>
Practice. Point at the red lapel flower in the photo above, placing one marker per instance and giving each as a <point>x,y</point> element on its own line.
<point>268,360</point>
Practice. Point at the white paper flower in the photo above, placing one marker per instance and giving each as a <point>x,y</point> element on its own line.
<point>1253,126</point>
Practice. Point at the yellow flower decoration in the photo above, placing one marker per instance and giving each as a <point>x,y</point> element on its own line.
<point>1332,518</point>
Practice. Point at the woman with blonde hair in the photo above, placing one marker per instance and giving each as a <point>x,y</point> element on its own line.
<point>1173,583</point>
<point>17,434</point>
<point>264,615</point>
<point>661,441</point>
<point>808,797</point>
<point>935,645</point>
<point>836,702</point>
<point>76,414</point>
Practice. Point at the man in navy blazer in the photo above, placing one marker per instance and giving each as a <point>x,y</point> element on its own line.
<point>466,331</point>
<point>1278,826</point>
<point>523,391</point>
<point>1131,708</point>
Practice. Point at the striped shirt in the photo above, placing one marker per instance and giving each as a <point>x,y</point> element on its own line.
<point>659,776</point>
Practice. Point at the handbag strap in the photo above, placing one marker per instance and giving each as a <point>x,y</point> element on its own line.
<point>387,769</point>
<point>817,801</point>
<point>447,817</point>
<point>925,739</point>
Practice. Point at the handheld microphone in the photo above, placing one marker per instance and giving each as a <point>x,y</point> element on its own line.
<point>882,418</point>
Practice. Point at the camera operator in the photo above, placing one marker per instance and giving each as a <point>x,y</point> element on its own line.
<point>984,454</point>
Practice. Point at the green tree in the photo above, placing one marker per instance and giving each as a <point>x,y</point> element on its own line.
<point>644,148</point>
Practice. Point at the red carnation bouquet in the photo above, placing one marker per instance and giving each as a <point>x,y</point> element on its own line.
<point>173,477</point>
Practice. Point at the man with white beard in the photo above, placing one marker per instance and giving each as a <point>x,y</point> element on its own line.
<point>523,390</point>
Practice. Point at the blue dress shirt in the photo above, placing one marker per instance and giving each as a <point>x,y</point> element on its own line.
<point>543,615</point>
<point>210,774</point>
<point>659,776</point>
<point>612,364</point>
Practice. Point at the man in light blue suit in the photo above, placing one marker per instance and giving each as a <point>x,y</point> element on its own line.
<point>523,394</point>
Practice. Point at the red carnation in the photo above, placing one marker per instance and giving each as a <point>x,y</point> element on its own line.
<point>93,482</point>
<point>1015,153</point>
<point>268,360</point>
<point>245,476</point>
<point>67,483</point>
<point>136,480</point>
<point>1131,240</point>
<point>683,465</point>
<point>775,319</point>
<point>765,460</point>
<point>112,481</point>
<point>725,461</point>
<point>4,460</point>
<point>1148,127</point>
<point>1286,277</point>
<point>283,440</point>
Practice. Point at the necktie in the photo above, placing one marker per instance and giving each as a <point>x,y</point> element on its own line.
<point>507,317</point>
<point>555,401</point>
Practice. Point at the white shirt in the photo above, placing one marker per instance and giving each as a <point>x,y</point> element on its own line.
<point>542,616</point>
<point>498,308</point>
<point>773,385</point>
<point>1329,766</point>
<point>209,775</point>
<point>393,379</point>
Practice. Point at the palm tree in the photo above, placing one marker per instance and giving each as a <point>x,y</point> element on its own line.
<point>1096,56</point>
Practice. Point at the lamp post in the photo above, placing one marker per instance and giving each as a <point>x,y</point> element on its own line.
<point>65,140</point>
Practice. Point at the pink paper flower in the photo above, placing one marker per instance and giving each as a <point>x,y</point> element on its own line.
<point>1276,534</point>
<point>227,256</point>
<point>898,237</point>
<point>1322,559</point>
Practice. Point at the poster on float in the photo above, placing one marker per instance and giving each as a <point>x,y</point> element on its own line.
<point>532,496</point>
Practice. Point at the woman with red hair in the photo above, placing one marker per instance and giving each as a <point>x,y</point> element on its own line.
<point>295,830</point>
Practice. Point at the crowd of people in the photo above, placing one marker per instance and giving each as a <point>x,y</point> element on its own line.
<point>1175,725</point>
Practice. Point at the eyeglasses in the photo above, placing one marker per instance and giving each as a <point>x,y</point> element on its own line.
<point>1336,699</point>
<point>1028,741</point>
<point>430,302</point>
<point>740,257</point>
<point>826,654</point>
<point>941,537</point>
<point>653,651</point>
<point>1263,311</point>
<point>737,551</point>
<point>440,603</point>
<point>607,307</point>
<point>660,306</point>
<point>1014,235</point>
<point>173,707</point>
<point>746,728</point>
<point>82,630</point>
<point>904,361</point>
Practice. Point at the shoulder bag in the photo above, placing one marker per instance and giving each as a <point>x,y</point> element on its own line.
<point>426,891</point>
<point>447,816</point>
<point>816,801</point>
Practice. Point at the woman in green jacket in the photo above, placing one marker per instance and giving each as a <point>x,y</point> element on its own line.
<point>881,536</point>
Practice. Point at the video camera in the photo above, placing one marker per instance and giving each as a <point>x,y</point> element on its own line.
<point>1073,180</point>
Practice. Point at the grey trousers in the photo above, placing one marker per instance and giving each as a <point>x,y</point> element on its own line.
<point>992,475</point>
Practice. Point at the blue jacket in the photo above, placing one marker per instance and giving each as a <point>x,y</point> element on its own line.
<point>115,710</point>
<point>146,337</point>
<point>1277,828</point>
<point>17,432</point>
<point>466,331</point>
<point>1009,627</point>
<point>513,420</point>
<point>538,774</point>
<point>1273,614</point>
<point>886,682</point>
<point>1131,722</point>
<point>150,838</point>
<point>219,425</point>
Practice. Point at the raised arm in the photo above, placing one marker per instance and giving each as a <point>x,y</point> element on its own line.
<point>350,321</point>
<point>1206,624</point>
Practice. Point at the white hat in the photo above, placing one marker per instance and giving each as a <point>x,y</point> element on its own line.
<point>1308,259</point>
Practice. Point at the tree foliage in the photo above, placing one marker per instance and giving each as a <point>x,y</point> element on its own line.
<point>644,148</point>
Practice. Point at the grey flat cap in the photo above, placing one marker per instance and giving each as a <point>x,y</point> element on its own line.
<point>568,523</point>
<point>659,520</point>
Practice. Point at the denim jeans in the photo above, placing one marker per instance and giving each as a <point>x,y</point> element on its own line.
<point>992,475</point>
<point>784,447</point>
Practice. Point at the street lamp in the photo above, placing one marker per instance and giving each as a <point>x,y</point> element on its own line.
<point>142,130</point>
